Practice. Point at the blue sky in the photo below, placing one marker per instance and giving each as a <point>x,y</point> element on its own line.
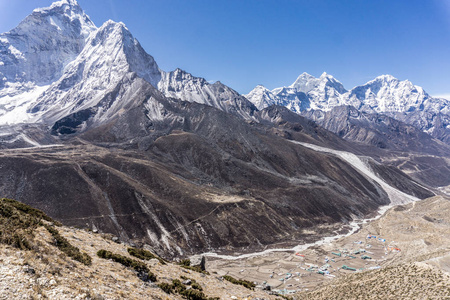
<point>248,42</point>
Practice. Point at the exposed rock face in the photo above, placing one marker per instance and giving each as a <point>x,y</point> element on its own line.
<point>435,124</point>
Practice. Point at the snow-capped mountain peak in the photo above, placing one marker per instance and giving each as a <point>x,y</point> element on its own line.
<point>49,38</point>
<point>56,4</point>
<point>386,93</point>
<point>302,81</point>
<point>307,92</point>
<point>183,85</point>
<point>385,78</point>
<point>304,76</point>
<point>306,83</point>
<point>262,97</point>
<point>110,55</point>
<point>66,10</point>
<point>56,62</point>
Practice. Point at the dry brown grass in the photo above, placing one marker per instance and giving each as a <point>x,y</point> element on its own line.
<point>45,272</point>
<point>406,281</point>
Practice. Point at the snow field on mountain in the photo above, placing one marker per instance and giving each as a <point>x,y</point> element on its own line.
<point>14,106</point>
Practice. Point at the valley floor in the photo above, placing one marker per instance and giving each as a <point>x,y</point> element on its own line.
<point>405,253</point>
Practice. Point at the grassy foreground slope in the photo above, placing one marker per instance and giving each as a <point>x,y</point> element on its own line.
<point>40,259</point>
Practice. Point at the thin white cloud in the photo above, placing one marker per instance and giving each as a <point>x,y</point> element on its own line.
<point>444,9</point>
<point>113,10</point>
<point>445,96</point>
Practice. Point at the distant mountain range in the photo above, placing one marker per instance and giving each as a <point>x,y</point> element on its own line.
<point>386,95</point>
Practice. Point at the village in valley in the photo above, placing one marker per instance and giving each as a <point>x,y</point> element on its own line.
<point>290,273</point>
<point>404,234</point>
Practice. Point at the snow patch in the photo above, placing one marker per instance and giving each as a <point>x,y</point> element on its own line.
<point>153,237</point>
<point>14,103</point>
<point>112,214</point>
<point>55,22</point>
<point>14,51</point>
<point>154,110</point>
<point>55,5</point>
<point>29,140</point>
<point>165,235</point>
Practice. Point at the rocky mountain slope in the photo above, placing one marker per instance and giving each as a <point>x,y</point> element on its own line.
<point>170,160</point>
<point>408,249</point>
<point>392,142</point>
<point>197,179</point>
<point>97,136</point>
<point>376,129</point>
<point>385,95</point>
<point>39,261</point>
<point>182,85</point>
